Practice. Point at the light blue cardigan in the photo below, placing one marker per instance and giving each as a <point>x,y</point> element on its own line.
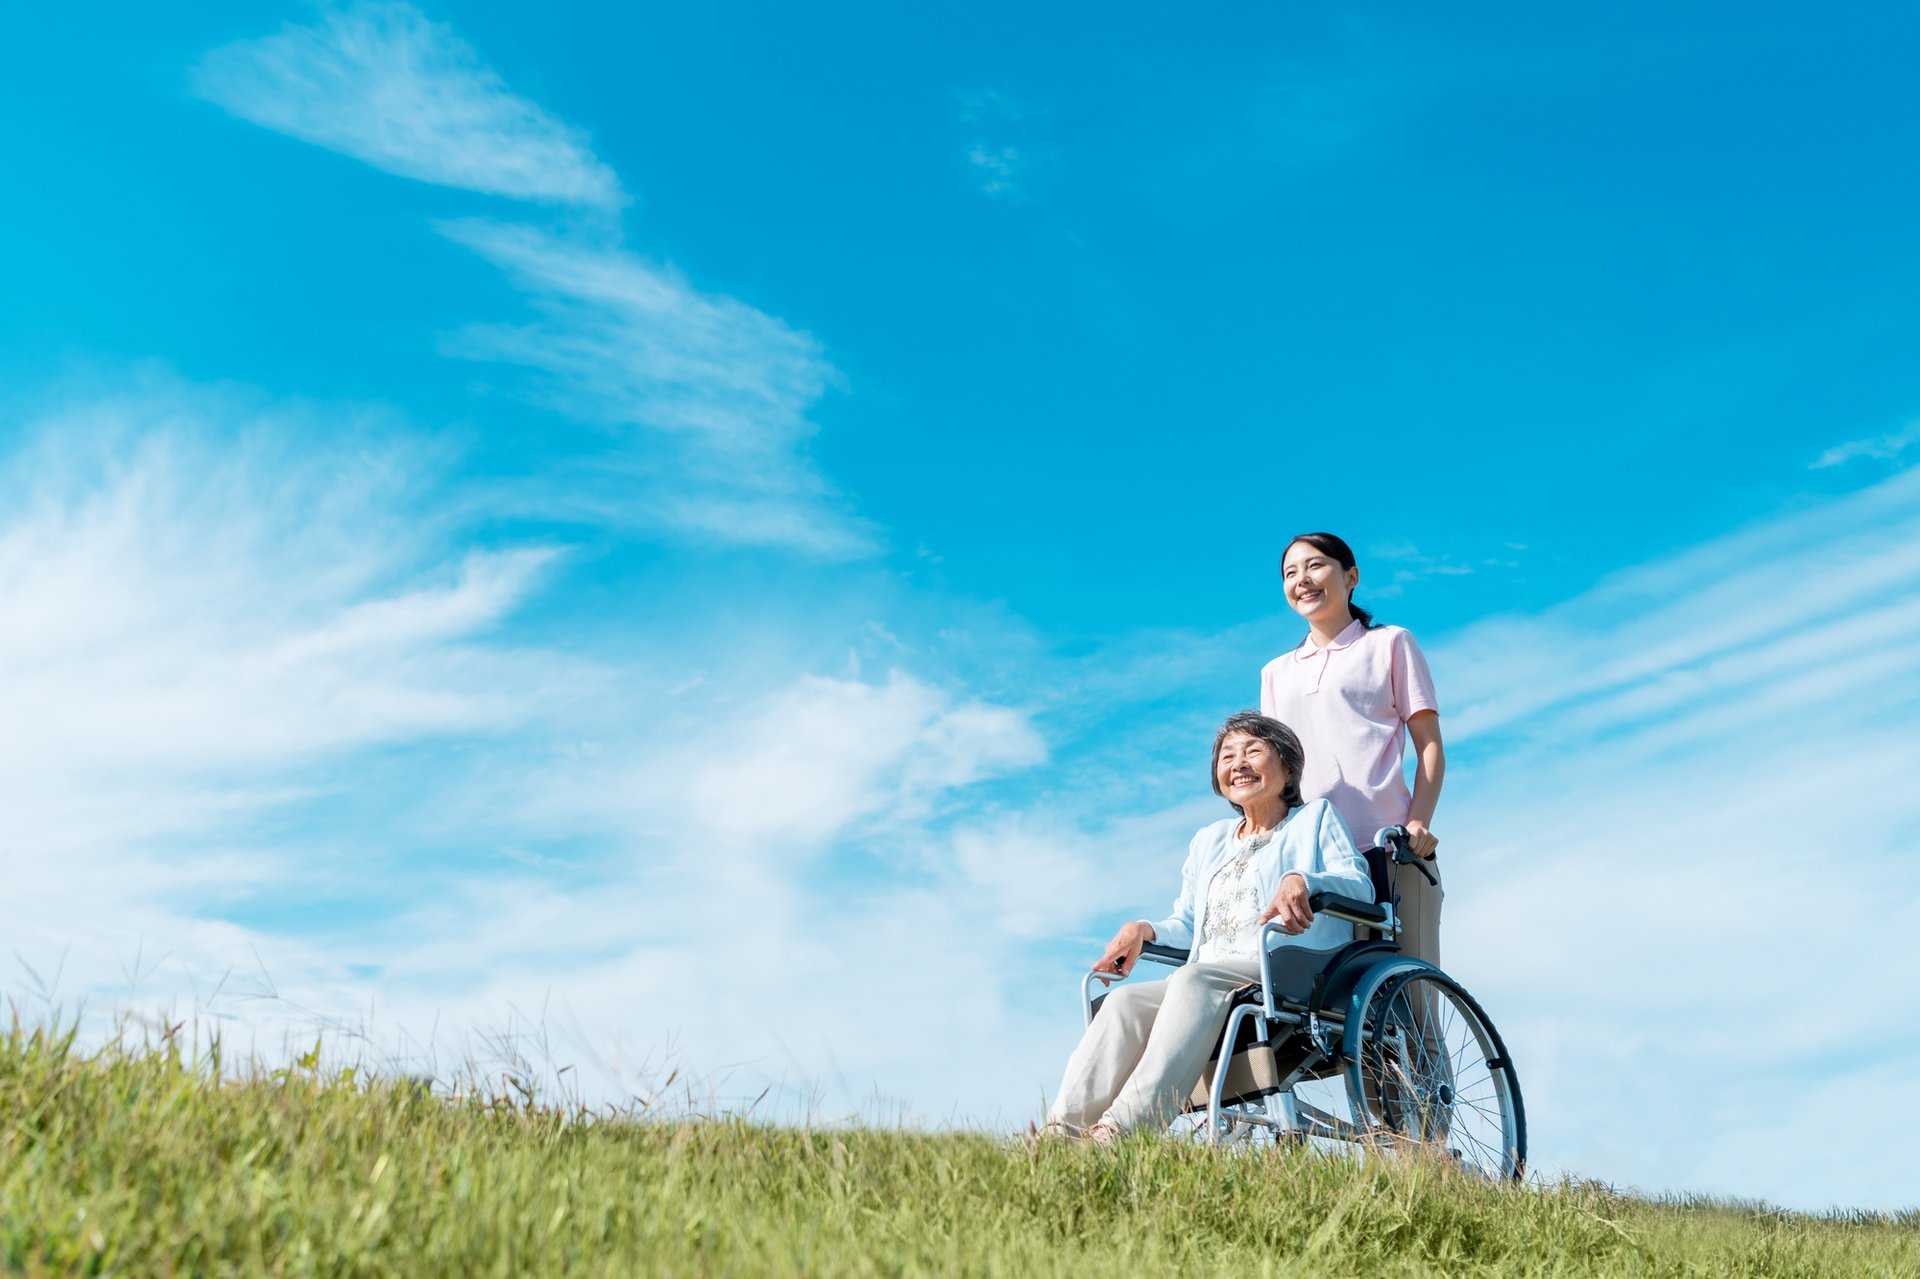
<point>1313,843</point>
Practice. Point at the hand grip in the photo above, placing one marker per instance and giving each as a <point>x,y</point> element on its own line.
<point>1396,841</point>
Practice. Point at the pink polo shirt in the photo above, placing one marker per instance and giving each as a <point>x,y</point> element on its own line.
<point>1350,703</point>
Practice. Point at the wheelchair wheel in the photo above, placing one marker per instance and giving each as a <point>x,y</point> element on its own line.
<point>1431,1076</point>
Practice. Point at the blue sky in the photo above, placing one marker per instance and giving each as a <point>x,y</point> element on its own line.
<point>605,520</point>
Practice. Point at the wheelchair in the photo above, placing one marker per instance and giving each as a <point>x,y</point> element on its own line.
<point>1394,1042</point>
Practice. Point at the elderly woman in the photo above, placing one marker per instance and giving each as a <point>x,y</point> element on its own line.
<point>1141,1056</point>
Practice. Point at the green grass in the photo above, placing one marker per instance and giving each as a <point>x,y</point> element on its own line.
<point>141,1162</point>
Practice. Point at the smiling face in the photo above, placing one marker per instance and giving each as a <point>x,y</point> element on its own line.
<point>1316,586</point>
<point>1250,772</point>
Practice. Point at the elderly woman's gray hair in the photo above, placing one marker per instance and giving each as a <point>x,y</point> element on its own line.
<point>1285,743</point>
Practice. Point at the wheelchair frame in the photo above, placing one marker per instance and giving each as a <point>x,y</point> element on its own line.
<point>1369,1017</point>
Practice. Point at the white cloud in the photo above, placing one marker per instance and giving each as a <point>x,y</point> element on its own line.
<point>1035,876</point>
<point>149,623</point>
<point>899,999</point>
<point>998,166</point>
<point>1695,619</point>
<point>222,633</point>
<point>714,393</point>
<point>1884,447</point>
<point>209,605</point>
<point>1411,565</point>
<point>1680,954</point>
<point>912,992</point>
<point>1675,836</point>
<point>383,84</point>
<point>812,760</point>
<point>707,396</point>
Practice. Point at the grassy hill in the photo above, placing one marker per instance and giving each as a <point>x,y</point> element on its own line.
<point>139,1163</point>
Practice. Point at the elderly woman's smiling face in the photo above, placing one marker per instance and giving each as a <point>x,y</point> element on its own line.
<point>1250,772</point>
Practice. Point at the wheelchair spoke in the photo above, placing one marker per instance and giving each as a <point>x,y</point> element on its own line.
<point>1426,1074</point>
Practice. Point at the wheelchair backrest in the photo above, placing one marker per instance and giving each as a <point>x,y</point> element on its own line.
<point>1380,870</point>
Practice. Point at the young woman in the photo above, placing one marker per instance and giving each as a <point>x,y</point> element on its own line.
<point>1355,692</point>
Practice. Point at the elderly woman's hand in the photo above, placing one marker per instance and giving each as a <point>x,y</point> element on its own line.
<point>1123,952</point>
<point>1289,905</point>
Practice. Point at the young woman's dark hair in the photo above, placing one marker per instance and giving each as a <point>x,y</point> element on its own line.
<point>1285,743</point>
<point>1328,544</point>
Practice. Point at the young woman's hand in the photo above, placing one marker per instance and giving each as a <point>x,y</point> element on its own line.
<point>1289,905</point>
<point>1123,952</point>
<point>1421,842</point>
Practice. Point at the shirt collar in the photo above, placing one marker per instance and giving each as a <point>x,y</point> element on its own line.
<point>1355,629</point>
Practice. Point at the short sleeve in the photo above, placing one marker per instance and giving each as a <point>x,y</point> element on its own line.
<point>1412,681</point>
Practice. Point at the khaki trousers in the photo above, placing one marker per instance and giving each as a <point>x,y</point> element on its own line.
<point>1420,913</point>
<point>1139,1059</point>
<point>1420,904</point>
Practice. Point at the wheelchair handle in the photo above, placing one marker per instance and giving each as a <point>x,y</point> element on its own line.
<point>1396,841</point>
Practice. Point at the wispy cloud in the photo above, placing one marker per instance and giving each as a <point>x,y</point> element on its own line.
<point>997,169</point>
<point>212,603</point>
<point>1410,564</point>
<point>255,674</point>
<point>1686,630</point>
<point>810,812</point>
<point>846,750</point>
<point>1882,447</point>
<point>160,557</point>
<point>707,397</point>
<point>1684,794</point>
<point>999,166</point>
<point>716,392</point>
<point>385,85</point>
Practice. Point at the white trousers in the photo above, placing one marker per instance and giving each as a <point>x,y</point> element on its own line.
<point>1147,1046</point>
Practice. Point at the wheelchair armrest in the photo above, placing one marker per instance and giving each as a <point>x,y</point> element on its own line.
<point>1351,909</point>
<point>1151,953</point>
